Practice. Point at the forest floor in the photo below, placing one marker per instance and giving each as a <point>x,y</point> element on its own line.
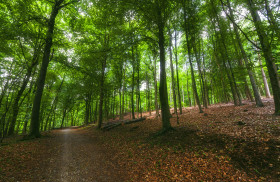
<point>225,143</point>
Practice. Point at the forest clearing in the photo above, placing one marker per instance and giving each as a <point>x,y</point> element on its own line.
<point>226,144</point>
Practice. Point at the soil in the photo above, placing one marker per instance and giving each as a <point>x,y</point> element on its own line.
<point>63,155</point>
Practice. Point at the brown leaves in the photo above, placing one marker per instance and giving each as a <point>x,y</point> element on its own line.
<point>212,147</point>
<point>209,147</point>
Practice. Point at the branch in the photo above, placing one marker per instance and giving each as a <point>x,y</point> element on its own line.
<point>21,47</point>
<point>71,2</point>
<point>234,24</point>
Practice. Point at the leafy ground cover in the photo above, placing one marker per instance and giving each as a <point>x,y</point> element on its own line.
<point>225,143</point>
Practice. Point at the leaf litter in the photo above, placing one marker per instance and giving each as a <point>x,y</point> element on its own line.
<point>227,143</point>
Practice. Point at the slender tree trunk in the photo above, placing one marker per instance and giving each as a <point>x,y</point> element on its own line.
<point>101,97</point>
<point>87,111</point>
<point>123,93</point>
<point>266,49</point>
<point>155,86</point>
<point>183,96</point>
<point>177,74</point>
<point>267,92</point>
<point>138,85</point>
<point>197,55</point>
<point>187,31</point>
<point>244,55</point>
<point>63,117</point>
<point>120,104</point>
<point>148,94</point>
<point>95,112</point>
<point>22,88</point>
<point>172,75</point>
<point>188,91</point>
<point>132,90</point>
<point>35,118</point>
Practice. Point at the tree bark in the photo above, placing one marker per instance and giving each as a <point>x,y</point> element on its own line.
<point>155,86</point>
<point>19,94</point>
<point>244,55</point>
<point>177,74</point>
<point>132,90</point>
<point>172,75</point>
<point>197,55</point>
<point>266,49</point>
<point>187,32</point>
<point>266,88</point>
<point>165,113</point>
<point>35,117</point>
<point>101,97</point>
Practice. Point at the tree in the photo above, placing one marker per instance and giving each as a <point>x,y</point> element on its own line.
<point>267,52</point>
<point>35,118</point>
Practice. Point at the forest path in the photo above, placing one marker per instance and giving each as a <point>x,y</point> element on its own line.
<point>77,156</point>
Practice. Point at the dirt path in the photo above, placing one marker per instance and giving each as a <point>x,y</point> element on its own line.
<point>78,157</point>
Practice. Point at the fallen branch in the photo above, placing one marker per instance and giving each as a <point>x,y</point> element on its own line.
<point>112,125</point>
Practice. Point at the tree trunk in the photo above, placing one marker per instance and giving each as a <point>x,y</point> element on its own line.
<point>132,90</point>
<point>187,31</point>
<point>22,88</point>
<point>101,97</point>
<point>87,111</point>
<point>267,92</point>
<point>63,117</point>
<point>120,104</point>
<point>177,74</point>
<point>35,117</point>
<point>138,85</point>
<point>123,93</point>
<point>95,112</point>
<point>188,91</point>
<point>197,55</point>
<point>266,49</point>
<point>165,113</point>
<point>155,86</point>
<point>172,75</point>
<point>244,55</point>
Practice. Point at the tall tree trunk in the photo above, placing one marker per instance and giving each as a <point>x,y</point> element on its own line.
<point>113,107</point>
<point>138,85</point>
<point>101,95</point>
<point>183,95</point>
<point>197,55</point>
<point>165,113</point>
<point>23,87</point>
<point>224,55</point>
<point>155,86</point>
<point>87,111</point>
<point>123,93</point>
<point>120,104</point>
<point>148,103</point>
<point>188,91</point>
<point>267,92</point>
<point>187,31</point>
<point>35,117</point>
<point>63,117</point>
<point>95,112</point>
<point>132,89</point>
<point>244,55</point>
<point>266,49</point>
<point>177,74</point>
<point>172,75</point>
